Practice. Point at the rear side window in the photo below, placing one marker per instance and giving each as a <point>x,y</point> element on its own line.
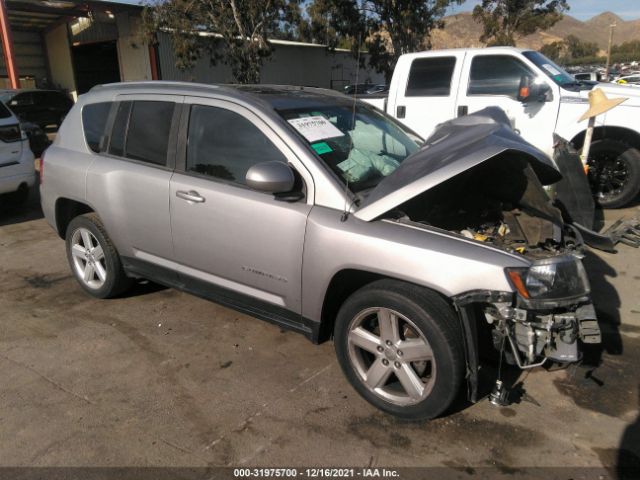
<point>141,131</point>
<point>148,132</point>
<point>496,75</point>
<point>431,77</point>
<point>94,122</point>
<point>224,144</point>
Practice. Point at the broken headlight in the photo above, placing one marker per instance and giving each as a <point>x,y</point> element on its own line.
<point>551,280</point>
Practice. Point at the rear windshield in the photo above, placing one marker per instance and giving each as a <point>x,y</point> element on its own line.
<point>361,145</point>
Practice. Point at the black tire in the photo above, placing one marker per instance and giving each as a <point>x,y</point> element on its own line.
<point>435,319</point>
<point>614,173</point>
<point>21,195</point>
<point>116,281</point>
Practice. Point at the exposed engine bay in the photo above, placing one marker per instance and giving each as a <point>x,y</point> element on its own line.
<point>500,202</point>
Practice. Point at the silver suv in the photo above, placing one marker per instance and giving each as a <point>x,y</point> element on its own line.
<point>312,211</point>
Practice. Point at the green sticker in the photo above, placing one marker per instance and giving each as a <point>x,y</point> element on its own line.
<point>321,147</point>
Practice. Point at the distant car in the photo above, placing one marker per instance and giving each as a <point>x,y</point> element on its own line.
<point>17,172</point>
<point>42,107</point>
<point>382,88</point>
<point>629,80</point>
<point>588,76</point>
<point>358,88</point>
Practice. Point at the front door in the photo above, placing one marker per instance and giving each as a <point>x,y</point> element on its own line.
<point>235,241</point>
<point>494,80</point>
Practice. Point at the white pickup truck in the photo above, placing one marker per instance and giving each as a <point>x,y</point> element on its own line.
<point>431,87</point>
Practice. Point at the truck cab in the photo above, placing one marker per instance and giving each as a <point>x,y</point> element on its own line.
<point>537,95</point>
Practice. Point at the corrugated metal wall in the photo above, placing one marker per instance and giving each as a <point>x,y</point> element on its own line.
<point>30,57</point>
<point>290,64</point>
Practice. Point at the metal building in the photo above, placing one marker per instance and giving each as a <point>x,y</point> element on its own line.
<point>73,45</point>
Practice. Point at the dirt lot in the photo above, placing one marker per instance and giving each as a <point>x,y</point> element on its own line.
<point>163,378</point>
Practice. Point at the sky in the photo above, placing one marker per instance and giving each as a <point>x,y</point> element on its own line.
<point>583,9</point>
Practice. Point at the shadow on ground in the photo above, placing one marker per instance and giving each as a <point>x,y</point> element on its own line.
<point>12,212</point>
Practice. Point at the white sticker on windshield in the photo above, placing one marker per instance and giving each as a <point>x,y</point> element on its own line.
<point>551,69</point>
<point>315,128</point>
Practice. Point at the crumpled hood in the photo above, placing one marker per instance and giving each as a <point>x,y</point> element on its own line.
<point>455,147</point>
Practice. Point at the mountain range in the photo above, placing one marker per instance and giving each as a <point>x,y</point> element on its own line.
<point>461,30</point>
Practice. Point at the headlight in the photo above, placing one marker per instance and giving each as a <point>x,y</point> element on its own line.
<point>556,278</point>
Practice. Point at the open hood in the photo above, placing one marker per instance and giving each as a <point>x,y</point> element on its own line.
<point>455,147</point>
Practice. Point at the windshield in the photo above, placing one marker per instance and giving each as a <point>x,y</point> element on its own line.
<point>361,145</point>
<point>551,69</point>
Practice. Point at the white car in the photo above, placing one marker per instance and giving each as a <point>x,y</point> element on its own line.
<point>629,79</point>
<point>17,172</point>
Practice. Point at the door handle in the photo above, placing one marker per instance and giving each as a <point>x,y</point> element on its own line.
<point>190,196</point>
<point>401,111</point>
<point>463,110</point>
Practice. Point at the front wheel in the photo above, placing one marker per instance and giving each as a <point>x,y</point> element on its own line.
<point>400,346</point>
<point>614,172</point>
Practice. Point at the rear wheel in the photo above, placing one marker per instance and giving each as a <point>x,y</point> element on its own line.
<point>614,172</point>
<point>400,347</point>
<point>93,259</point>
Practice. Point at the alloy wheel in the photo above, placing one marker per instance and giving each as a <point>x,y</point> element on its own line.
<point>391,356</point>
<point>88,258</point>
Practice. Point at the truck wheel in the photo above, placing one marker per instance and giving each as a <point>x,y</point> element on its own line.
<point>401,347</point>
<point>93,259</point>
<point>614,172</point>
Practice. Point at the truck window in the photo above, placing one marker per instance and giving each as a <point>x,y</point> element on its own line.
<point>430,77</point>
<point>496,75</point>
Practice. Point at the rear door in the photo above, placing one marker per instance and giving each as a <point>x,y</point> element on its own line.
<point>425,92</point>
<point>494,80</point>
<point>237,243</point>
<point>128,182</point>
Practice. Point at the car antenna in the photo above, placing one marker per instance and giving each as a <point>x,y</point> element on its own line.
<point>347,205</point>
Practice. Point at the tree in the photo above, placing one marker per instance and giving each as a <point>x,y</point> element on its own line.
<point>570,50</point>
<point>553,50</point>
<point>386,28</point>
<point>234,32</point>
<point>576,48</point>
<point>505,20</point>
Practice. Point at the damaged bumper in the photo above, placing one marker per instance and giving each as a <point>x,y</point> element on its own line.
<point>537,337</point>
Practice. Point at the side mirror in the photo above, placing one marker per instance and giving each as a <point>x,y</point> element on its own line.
<point>271,177</point>
<point>530,91</point>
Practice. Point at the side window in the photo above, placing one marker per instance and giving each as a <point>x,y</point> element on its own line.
<point>21,100</point>
<point>430,77</point>
<point>148,132</point>
<point>496,75</point>
<point>94,121</point>
<point>224,144</point>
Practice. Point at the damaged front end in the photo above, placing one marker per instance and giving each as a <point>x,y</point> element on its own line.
<point>478,179</point>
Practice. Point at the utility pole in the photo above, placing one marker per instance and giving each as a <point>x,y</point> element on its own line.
<point>7,47</point>
<point>606,71</point>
